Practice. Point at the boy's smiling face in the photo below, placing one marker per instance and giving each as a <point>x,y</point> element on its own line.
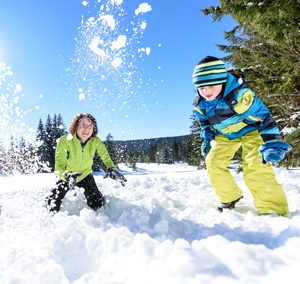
<point>210,92</point>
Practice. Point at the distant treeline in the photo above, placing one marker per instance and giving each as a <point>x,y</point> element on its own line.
<point>25,158</point>
<point>39,156</point>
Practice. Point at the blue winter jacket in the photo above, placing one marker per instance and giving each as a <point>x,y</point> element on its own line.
<point>234,113</point>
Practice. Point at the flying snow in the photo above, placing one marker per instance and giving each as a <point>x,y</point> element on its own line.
<point>12,114</point>
<point>94,46</point>
<point>143,8</point>
<point>119,43</point>
<point>109,57</point>
<point>109,20</point>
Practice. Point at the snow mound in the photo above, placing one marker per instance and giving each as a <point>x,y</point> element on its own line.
<point>162,227</point>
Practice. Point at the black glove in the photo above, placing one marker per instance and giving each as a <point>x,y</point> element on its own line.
<point>71,179</point>
<point>114,174</point>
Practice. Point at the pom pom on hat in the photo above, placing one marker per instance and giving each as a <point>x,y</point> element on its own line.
<point>209,71</point>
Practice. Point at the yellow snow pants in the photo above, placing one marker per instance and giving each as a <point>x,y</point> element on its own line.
<point>267,193</point>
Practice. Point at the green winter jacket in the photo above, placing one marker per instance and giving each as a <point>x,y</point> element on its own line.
<point>71,156</point>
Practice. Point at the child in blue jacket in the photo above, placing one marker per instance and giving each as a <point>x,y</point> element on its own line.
<point>232,116</point>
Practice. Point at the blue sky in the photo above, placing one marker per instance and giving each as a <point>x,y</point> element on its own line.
<point>46,44</point>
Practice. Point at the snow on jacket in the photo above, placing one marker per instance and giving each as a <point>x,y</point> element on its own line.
<point>234,113</point>
<point>71,156</point>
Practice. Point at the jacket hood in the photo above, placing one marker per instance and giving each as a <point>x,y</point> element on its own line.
<point>233,82</point>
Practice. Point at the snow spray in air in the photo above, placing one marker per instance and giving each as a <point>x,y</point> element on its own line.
<point>109,55</point>
<point>11,113</point>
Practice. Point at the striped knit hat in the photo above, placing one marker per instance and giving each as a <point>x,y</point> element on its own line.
<point>209,71</point>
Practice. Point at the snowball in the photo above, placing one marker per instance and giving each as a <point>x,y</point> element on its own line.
<point>143,25</point>
<point>117,2</point>
<point>143,8</point>
<point>94,47</point>
<point>119,43</point>
<point>109,20</point>
<point>18,88</point>
<point>16,100</point>
<point>81,97</point>
<point>116,62</point>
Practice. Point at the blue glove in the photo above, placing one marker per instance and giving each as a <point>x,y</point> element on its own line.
<point>205,147</point>
<point>274,152</point>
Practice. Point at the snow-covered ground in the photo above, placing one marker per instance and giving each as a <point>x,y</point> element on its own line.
<point>162,227</point>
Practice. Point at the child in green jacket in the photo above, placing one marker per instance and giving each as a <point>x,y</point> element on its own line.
<point>74,154</point>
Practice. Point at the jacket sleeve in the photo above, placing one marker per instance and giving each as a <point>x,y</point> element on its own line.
<point>61,156</point>
<point>104,155</point>
<point>206,129</point>
<point>255,112</point>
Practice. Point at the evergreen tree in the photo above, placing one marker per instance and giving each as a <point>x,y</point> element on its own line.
<point>48,144</point>
<point>143,158</point>
<point>3,162</point>
<point>41,149</point>
<point>194,144</point>
<point>175,151</point>
<point>121,153</point>
<point>111,148</point>
<point>98,165</point>
<point>11,156</point>
<point>131,160</point>
<point>58,127</point>
<point>264,49</point>
<point>152,152</point>
<point>24,158</point>
<point>166,153</point>
<point>183,151</point>
<point>46,140</point>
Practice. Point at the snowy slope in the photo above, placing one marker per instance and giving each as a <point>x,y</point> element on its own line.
<point>161,228</point>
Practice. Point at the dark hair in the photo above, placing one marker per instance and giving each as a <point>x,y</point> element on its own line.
<point>74,125</point>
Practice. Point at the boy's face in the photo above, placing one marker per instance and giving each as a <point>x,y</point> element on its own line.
<point>210,92</point>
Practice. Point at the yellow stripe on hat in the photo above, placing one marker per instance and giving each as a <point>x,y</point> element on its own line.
<point>203,65</point>
<point>214,71</point>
